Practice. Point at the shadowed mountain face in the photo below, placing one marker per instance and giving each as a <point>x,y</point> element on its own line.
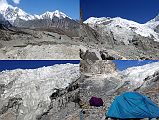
<point>66,24</point>
<point>4,23</point>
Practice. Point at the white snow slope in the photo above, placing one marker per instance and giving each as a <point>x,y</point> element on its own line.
<point>136,75</point>
<point>36,85</point>
<point>123,29</point>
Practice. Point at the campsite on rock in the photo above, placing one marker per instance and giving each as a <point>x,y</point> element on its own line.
<point>132,93</point>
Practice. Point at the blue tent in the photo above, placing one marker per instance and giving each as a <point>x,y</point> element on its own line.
<point>133,105</point>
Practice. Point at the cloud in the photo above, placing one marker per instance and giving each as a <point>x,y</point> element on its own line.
<point>16,1</point>
<point>3,2</point>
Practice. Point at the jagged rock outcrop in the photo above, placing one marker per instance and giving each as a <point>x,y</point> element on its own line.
<point>64,103</point>
<point>67,25</point>
<point>4,24</point>
<point>97,67</point>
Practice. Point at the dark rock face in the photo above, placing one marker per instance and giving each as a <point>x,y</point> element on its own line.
<point>151,87</point>
<point>89,35</point>
<point>64,102</point>
<point>97,67</point>
<point>67,25</point>
<point>4,23</point>
<point>88,55</point>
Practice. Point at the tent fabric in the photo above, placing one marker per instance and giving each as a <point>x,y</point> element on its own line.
<point>133,105</point>
<point>97,102</point>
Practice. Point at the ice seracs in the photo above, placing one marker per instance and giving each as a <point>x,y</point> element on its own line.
<point>136,75</point>
<point>154,23</point>
<point>35,86</point>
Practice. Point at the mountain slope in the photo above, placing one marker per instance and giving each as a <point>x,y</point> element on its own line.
<point>12,13</point>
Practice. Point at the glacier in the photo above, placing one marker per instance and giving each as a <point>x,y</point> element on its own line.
<point>35,86</point>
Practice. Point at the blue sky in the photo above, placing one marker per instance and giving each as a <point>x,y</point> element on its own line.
<point>124,64</point>
<point>137,10</point>
<point>69,7</point>
<point>31,64</point>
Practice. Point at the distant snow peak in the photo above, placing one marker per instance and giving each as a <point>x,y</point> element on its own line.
<point>50,15</point>
<point>12,13</point>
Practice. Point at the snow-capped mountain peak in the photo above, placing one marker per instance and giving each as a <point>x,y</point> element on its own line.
<point>50,15</point>
<point>59,14</point>
<point>11,13</point>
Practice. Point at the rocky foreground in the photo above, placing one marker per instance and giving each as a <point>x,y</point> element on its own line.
<point>37,44</point>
